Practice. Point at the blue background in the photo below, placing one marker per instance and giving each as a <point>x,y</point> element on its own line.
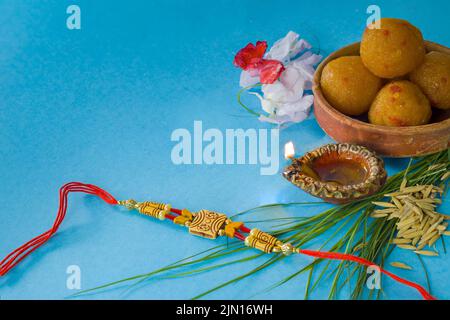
<point>99,104</point>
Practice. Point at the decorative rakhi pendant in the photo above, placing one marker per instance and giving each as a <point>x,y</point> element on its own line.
<point>210,224</point>
<point>204,223</point>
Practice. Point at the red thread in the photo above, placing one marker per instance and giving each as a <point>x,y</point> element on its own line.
<point>244,229</point>
<point>15,257</point>
<point>170,217</point>
<point>239,236</point>
<point>349,257</point>
<point>176,211</point>
<point>12,259</point>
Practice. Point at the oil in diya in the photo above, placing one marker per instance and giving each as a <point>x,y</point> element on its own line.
<point>336,173</point>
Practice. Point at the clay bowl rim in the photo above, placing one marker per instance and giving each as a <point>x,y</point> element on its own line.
<point>318,94</point>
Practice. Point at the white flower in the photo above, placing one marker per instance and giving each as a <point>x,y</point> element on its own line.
<point>267,105</point>
<point>294,112</point>
<point>247,80</point>
<point>288,89</point>
<point>287,48</point>
<point>284,100</point>
<point>305,66</point>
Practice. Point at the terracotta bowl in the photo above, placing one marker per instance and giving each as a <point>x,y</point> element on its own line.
<point>386,141</point>
<point>338,173</point>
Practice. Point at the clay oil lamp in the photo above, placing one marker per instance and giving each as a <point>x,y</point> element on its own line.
<point>336,173</point>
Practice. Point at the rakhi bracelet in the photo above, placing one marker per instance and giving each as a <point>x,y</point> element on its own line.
<point>204,223</point>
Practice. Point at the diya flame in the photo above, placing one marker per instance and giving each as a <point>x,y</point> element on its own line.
<point>289,150</point>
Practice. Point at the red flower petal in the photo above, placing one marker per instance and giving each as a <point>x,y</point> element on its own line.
<point>270,71</point>
<point>250,56</point>
<point>261,47</point>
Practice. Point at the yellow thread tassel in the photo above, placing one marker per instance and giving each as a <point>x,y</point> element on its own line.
<point>186,216</point>
<point>230,229</point>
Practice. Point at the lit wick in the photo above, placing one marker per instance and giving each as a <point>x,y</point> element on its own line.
<point>289,154</point>
<point>289,150</point>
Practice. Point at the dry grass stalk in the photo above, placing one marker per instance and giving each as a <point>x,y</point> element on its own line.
<point>401,265</point>
<point>418,225</point>
<point>427,253</point>
<point>446,176</point>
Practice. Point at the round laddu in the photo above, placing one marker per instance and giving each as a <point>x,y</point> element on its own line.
<point>433,77</point>
<point>400,104</point>
<point>349,86</point>
<point>393,50</point>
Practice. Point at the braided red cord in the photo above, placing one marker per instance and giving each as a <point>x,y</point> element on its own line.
<point>12,259</point>
<point>176,211</point>
<point>349,257</point>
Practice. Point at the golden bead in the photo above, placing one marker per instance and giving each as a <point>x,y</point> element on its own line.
<point>287,249</point>
<point>129,204</point>
<point>276,249</point>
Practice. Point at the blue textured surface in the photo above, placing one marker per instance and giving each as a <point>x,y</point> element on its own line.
<point>98,105</point>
